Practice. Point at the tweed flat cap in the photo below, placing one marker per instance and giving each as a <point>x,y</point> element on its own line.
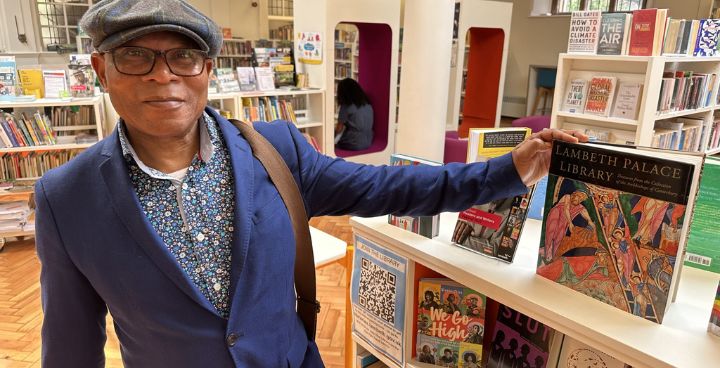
<point>111,23</point>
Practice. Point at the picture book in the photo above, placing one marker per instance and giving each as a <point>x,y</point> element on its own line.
<point>285,75</point>
<point>646,32</point>
<point>82,76</point>
<point>575,95</point>
<point>575,354</point>
<point>627,100</point>
<point>493,229</point>
<point>537,202</point>
<point>246,78</point>
<point>520,341</point>
<point>450,325</point>
<point>365,359</point>
<point>427,226</point>
<point>226,80</point>
<point>8,78</point>
<point>615,223</point>
<point>714,325</point>
<point>601,92</point>
<point>584,30</point>
<point>702,249</point>
<point>707,38</point>
<point>55,83</point>
<point>31,81</point>
<point>614,33</point>
<point>377,295</point>
<point>265,78</point>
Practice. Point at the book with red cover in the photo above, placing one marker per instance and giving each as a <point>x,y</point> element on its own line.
<point>642,32</point>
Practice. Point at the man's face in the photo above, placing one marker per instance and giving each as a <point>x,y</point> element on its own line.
<point>159,104</point>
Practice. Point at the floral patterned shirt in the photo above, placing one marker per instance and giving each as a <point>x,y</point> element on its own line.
<point>192,210</point>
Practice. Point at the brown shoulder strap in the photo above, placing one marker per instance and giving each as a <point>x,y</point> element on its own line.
<point>307,305</point>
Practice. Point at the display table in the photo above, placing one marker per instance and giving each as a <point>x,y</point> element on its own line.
<point>681,341</point>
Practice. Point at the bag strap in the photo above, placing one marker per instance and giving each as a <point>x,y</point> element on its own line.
<point>308,306</point>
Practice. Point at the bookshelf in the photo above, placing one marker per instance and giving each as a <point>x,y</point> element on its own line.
<point>628,338</point>
<point>234,53</point>
<point>647,70</point>
<point>347,38</point>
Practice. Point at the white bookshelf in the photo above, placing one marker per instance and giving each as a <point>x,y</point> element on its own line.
<point>647,70</point>
<point>681,341</point>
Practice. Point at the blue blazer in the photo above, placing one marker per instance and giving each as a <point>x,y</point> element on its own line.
<point>99,253</point>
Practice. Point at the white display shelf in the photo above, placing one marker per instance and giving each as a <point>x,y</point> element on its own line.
<point>343,61</point>
<point>682,340</point>
<point>279,92</point>
<point>367,346</point>
<point>283,18</point>
<point>676,114</point>
<point>643,59</point>
<point>301,125</point>
<point>73,127</point>
<point>41,102</point>
<point>611,120</point>
<point>49,147</point>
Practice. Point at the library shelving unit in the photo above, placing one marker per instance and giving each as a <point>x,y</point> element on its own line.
<point>477,80</point>
<point>346,55</point>
<point>647,70</point>
<point>681,341</point>
<point>235,52</point>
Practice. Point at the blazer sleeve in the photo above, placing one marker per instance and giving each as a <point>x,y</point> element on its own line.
<point>333,186</point>
<point>73,330</point>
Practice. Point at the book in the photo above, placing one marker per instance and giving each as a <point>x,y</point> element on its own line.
<point>226,80</point>
<point>584,30</point>
<point>82,76</point>
<point>574,354</point>
<point>427,226</point>
<point>575,95</point>
<point>535,211</point>
<point>520,341</point>
<point>246,78</point>
<point>31,81</point>
<point>614,34</point>
<point>615,223</point>
<point>707,38</point>
<point>450,323</point>
<point>601,92</point>
<point>702,249</point>
<point>626,100</point>
<point>646,32</point>
<point>493,229</point>
<point>365,359</point>
<point>377,296</point>
<point>8,80</point>
<point>265,78</point>
<point>714,325</point>
<point>285,75</point>
<point>55,83</point>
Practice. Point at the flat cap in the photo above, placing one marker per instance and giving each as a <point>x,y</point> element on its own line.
<point>111,23</point>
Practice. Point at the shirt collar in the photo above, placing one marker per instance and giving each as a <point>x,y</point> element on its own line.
<point>209,138</point>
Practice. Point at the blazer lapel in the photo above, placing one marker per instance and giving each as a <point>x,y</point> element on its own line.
<point>123,198</point>
<point>243,174</point>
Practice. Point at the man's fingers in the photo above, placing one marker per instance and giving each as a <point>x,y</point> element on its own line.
<point>572,136</point>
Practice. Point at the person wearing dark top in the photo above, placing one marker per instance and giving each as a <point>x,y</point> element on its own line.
<point>354,130</point>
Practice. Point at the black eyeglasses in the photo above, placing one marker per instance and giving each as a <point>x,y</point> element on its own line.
<point>135,60</point>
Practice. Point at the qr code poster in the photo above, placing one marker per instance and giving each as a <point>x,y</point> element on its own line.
<point>378,297</point>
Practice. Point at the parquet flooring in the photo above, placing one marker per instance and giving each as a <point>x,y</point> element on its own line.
<point>21,314</point>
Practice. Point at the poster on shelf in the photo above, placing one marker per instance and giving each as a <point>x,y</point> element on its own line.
<point>378,298</point>
<point>309,47</point>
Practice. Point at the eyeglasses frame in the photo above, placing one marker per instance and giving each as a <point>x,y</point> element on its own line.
<point>155,58</point>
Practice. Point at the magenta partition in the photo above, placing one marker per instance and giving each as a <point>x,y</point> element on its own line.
<point>375,49</point>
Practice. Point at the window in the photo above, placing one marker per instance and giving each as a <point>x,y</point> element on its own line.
<point>568,6</point>
<point>58,21</point>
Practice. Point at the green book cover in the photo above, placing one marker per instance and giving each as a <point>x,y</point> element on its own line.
<point>703,248</point>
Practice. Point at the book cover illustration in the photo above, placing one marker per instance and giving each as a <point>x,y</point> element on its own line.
<point>575,354</point>
<point>627,99</point>
<point>702,249</point>
<point>600,95</point>
<point>226,80</point>
<point>493,229</point>
<point>265,78</point>
<point>55,83</point>
<point>377,294</point>
<point>519,341</point>
<point>714,325</point>
<point>612,225</point>
<point>427,226</point>
<point>613,34</point>
<point>31,81</point>
<point>246,78</point>
<point>8,80</point>
<point>82,76</point>
<point>575,95</point>
<point>707,38</point>
<point>643,32</point>
<point>584,29</point>
<point>450,325</point>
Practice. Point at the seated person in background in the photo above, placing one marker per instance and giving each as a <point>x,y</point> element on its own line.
<point>354,130</point>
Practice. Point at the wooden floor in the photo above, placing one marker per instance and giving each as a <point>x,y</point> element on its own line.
<point>21,315</point>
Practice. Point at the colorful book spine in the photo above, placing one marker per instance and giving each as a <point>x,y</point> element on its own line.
<point>427,226</point>
<point>642,32</point>
<point>714,326</point>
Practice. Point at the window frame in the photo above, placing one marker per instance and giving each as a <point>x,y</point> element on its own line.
<point>64,30</point>
<point>612,7</point>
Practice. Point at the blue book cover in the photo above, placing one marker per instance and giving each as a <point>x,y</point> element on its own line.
<point>8,78</point>
<point>537,202</point>
<point>707,40</point>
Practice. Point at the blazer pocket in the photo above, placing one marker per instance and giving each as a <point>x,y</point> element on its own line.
<point>268,209</point>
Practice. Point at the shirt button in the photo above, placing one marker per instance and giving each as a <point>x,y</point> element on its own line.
<point>216,286</point>
<point>231,339</point>
<point>200,237</point>
<point>184,186</point>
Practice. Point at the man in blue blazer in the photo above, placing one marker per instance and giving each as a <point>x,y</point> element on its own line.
<point>172,225</point>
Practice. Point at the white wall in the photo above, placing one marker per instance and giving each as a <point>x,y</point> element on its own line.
<point>240,16</point>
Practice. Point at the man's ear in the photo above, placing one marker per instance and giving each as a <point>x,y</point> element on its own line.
<point>98,63</point>
<point>208,66</point>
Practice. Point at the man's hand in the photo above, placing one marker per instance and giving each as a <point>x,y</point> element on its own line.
<point>532,157</point>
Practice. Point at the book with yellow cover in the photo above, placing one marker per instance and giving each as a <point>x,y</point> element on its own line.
<point>31,81</point>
